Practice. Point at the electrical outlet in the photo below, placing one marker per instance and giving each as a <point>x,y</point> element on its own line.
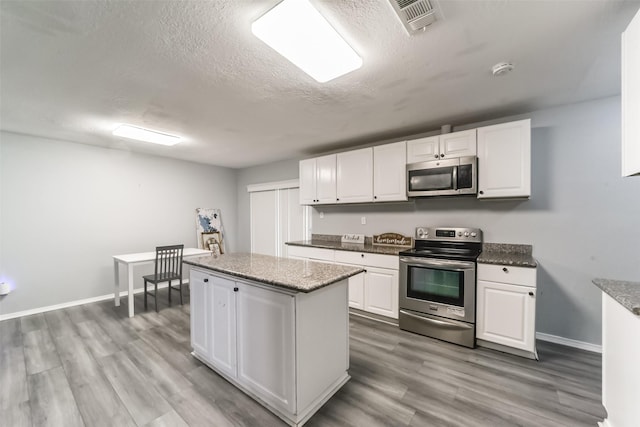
<point>363,220</point>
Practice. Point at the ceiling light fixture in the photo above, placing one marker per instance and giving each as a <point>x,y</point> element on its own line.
<point>147,135</point>
<point>297,31</point>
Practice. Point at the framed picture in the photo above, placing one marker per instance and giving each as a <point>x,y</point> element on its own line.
<point>212,241</point>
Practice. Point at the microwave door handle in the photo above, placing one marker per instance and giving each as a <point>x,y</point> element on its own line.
<point>455,177</point>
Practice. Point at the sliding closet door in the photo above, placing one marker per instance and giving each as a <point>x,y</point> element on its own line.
<point>291,219</point>
<point>264,222</point>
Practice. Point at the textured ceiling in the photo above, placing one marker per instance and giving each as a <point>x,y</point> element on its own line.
<point>71,70</point>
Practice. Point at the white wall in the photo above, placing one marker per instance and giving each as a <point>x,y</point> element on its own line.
<point>583,219</point>
<point>66,208</point>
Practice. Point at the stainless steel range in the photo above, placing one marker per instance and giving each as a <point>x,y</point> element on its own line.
<point>438,284</point>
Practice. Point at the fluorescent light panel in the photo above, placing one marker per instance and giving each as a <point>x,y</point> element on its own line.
<point>297,31</point>
<point>147,135</point>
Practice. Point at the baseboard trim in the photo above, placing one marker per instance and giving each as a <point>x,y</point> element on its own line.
<point>74,303</point>
<point>582,345</point>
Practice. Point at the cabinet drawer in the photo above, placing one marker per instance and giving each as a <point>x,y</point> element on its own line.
<point>367,259</point>
<point>507,274</point>
<point>309,252</point>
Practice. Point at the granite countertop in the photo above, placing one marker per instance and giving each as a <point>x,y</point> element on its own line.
<point>626,293</point>
<point>292,274</point>
<point>336,244</point>
<point>507,254</point>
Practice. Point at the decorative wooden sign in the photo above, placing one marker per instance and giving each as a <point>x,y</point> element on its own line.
<point>392,239</point>
<point>357,239</point>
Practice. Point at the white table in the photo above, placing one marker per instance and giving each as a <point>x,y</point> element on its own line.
<point>131,260</point>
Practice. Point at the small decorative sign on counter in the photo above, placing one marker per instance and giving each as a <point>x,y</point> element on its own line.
<point>392,239</point>
<point>356,239</point>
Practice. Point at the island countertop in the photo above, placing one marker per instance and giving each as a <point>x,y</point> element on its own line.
<point>292,274</point>
<point>625,293</point>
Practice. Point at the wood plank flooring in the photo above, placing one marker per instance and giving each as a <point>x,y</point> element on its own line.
<point>91,365</point>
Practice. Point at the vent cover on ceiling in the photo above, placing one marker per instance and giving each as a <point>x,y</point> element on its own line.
<point>414,14</point>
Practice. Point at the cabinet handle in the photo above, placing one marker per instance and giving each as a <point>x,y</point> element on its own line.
<point>481,192</point>
<point>337,200</point>
<point>235,289</point>
<point>206,280</point>
<point>505,269</point>
<point>442,156</point>
<point>436,156</point>
<point>530,294</point>
<point>365,270</point>
<point>362,255</point>
<point>375,197</point>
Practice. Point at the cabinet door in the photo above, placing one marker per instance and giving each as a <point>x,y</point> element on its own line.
<point>423,149</point>
<point>458,144</point>
<point>631,98</point>
<point>506,314</point>
<point>390,172</point>
<point>356,291</point>
<point>326,179</point>
<point>200,334</point>
<point>381,291</point>
<point>504,160</point>
<point>223,325</point>
<point>355,176</point>
<point>266,344</point>
<point>308,182</point>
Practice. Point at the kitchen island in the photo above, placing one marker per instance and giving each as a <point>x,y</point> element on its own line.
<point>276,328</point>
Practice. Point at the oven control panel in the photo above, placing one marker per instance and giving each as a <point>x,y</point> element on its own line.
<point>449,234</point>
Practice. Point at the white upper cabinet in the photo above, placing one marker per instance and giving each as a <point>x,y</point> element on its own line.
<point>389,172</point>
<point>423,149</point>
<point>631,98</point>
<point>354,176</point>
<point>458,144</point>
<point>504,160</point>
<point>318,180</point>
<point>445,146</point>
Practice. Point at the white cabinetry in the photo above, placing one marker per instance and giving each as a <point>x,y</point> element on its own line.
<point>448,145</point>
<point>266,349</point>
<point>389,172</point>
<point>620,368</point>
<point>354,176</point>
<point>318,180</point>
<point>375,290</point>
<point>289,350</point>
<point>504,160</point>
<point>631,98</point>
<point>506,308</point>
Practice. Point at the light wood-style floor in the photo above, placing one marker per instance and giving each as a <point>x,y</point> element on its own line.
<point>91,365</point>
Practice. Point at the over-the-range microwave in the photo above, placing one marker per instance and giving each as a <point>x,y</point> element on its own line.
<point>448,177</point>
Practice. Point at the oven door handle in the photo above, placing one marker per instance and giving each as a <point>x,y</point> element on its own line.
<point>440,323</point>
<point>442,265</point>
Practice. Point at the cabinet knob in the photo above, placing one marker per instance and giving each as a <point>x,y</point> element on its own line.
<point>481,192</point>
<point>206,280</point>
<point>365,270</point>
<point>338,200</point>
<point>235,289</point>
<point>362,255</point>
<point>375,197</point>
<point>441,155</point>
<point>505,269</point>
<point>436,156</point>
<point>530,294</point>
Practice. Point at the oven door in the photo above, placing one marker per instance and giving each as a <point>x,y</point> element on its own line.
<point>440,287</point>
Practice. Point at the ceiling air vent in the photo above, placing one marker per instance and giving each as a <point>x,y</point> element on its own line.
<point>414,14</point>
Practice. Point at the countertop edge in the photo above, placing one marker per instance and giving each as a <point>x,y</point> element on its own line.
<point>380,250</point>
<point>193,261</point>
<point>626,293</point>
<point>502,258</point>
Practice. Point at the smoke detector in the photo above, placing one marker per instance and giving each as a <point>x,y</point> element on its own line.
<point>502,68</point>
<point>415,15</point>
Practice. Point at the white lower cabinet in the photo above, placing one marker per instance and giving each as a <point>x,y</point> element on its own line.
<point>381,291</point>
<point>506,308</point>
<point>266,344</point>
<point>356,291</point>
<point>289,350</point>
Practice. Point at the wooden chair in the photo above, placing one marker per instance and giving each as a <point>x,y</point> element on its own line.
<point>168,268</point>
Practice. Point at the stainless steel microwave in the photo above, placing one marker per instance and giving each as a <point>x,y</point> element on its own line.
<point>442,177</point>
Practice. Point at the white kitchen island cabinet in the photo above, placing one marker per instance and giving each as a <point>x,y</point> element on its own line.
<point>276,328</point>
